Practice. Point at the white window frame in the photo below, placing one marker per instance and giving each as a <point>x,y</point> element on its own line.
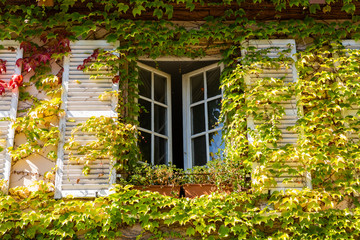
<point>169,113</point>
<point>188,162</point>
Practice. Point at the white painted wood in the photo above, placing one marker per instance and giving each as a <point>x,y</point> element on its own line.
<point>353,110</point>
<point>151,131</point>
<point>291,110</point>
<point>187,123</point>
<point>8,104</point>
<point>80,101</point>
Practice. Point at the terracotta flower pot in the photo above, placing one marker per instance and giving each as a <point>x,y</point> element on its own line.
<point>166,190</point>
<point>197,190</point>
<point>46,3</point>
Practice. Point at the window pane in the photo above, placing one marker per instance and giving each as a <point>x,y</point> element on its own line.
<point>145,146</point>
<point>160,121</point>
<point>215,144</point>
<point>197,88</point>
<point>199,151</point>
<point>145,83</point>
<point>198,119</point>
<point>145,114</point>
<point>160,88</point>
<point>213,82</point>
<point>160,151</point>
<point>214,107</point>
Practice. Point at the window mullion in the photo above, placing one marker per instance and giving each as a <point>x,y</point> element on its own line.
<point>206,117</point>
<point>152,121</point>
<point>168,121</point>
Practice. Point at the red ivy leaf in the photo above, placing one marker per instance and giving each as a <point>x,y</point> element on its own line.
<point>19,62</point>
<point>2,66</point>
<point>81,67</point>
<point>116,79</point>
<point>3,85</point>
<point>15,81</point>
<point>44,57</point>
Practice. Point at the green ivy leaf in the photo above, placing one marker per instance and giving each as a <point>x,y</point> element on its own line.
<point>137,10</point>
<point>158,13</point>
<point>224,231</point>
<point>349,8</point>
<point>190,231</point>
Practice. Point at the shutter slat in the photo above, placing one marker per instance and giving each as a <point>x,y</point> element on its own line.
<point>8,105</point>
<point>288,75</point>
<point>80,102</point>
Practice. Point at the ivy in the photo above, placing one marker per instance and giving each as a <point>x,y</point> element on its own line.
<point>326,90</point>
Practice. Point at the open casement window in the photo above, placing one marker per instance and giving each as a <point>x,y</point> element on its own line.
<point>202,105</point>
<point>80,102</point>
<point>8,104</point>
<point>155,115</point>
<point>284,179</point>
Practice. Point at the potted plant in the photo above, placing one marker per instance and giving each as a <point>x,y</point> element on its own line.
<point>160,178</point>
<point>217,175</point>
<point>199,181</point>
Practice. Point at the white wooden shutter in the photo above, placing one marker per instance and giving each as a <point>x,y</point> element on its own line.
<point>80,102</point>
<point>291,111</point>
<point>8,104</point>
<point>352,111</point>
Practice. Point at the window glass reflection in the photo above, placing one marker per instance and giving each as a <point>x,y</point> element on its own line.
<point>145,146</point>
<point>160,123</point>
<point>214,108</point>
<point>197,88</point>
<point>213,82</point>
<point>199,151</point>
<point>145,114</point>
<point>159,88</point>
<point>160,156</point>
<point>215,145</point>
<point>198,119</point>
<point>145,83</point>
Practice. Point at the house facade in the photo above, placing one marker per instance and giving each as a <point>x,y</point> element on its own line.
<point>181,66</point>
<point>261,96</point>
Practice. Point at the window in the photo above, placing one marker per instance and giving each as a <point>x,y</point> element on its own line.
<point>202,104</point>
<point>180,107</point>
<point>155,115</point>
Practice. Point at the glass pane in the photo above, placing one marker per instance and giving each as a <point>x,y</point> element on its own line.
<point>145,114</point>
<point>160,88</point>
<point>199,151</point>
<point>215,145</point>
<point>160,119</point>
<point>145,83</point>
<point>198,119</point>
<point>197,88</point>
<point>160,151</point>
<point>214,108</point>
<point>145,146</point>
<point>213,82</point>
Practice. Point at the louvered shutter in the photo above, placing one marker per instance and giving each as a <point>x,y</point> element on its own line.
<point>8,104</point>
<point>353,110</point>
<point>291,112</point>
<point>80,102</point>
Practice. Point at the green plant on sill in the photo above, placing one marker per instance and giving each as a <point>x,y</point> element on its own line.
<point>146,175</point>
<point>199,175</point>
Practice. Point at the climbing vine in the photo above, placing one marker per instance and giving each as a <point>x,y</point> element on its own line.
<point>326,92</point>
